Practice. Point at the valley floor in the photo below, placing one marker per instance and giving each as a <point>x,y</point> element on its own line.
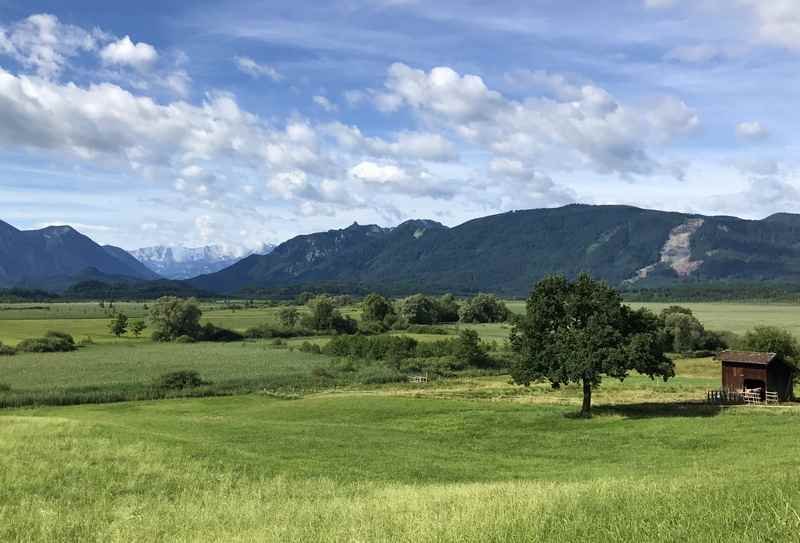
<point>470,460</point>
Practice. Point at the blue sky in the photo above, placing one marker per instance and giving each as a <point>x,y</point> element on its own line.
<point>248,122</point>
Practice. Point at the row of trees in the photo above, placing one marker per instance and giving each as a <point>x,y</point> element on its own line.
<point>423,310</point>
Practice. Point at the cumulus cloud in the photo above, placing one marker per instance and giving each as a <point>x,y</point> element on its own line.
<point>593,130</point>
<point>762,196</point>
<point>371,172</point>
<point>254,69</point>
<point>752,130</point>
<point>42,43</point>
<point>777,21</point>
<point>407,145</point>
<point>325,104</point>
<point>125,52</point>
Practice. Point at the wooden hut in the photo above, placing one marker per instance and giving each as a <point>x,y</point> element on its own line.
<point>743,370</point>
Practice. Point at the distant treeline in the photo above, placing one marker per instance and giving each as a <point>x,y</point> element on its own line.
<point>100,290</point>
<point>716,292</point>
<point>150,290</point>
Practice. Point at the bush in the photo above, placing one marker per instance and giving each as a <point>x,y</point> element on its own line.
<point>278,342</point>
<point>427,329</point>
<point>7,350</point>
<point>269,331</point>
<point>184,339</point>
<point>5,387</point>
<point>61,336</point>
<point>484,308</point>
<point>210,332</point>
<point>378,374</point>
<point>308,347</point>
<point>178,380</point>
<point>774,340</point>
<point>45,345</point>
<point>375,308</point>
<point>372,348</point>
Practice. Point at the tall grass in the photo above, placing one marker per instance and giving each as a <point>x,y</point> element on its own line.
<point>117,474</point>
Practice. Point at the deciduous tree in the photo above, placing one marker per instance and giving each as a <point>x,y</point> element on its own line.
<point>579,332</point>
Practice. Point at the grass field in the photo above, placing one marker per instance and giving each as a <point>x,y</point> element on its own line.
<point>463,459</point>
<point>20,321</point>
<point>389,465</point>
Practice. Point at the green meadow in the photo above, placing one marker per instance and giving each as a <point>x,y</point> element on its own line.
<point>278,456</point>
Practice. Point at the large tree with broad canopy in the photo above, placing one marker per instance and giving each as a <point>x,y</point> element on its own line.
<point>579,332</point>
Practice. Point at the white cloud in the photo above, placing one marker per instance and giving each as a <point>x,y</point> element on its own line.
<point>695,54</point>
<point>593,131</point>
<point>752,130</point>
<point>325,104</point>
<point>370,172</point>
<point>42,43</point>
<point>762,196</point>
<point>125,52</point>
<point>555,84</point>
<point>179,82</point>
<point>251,67</point>
<point>777,21</point>
<point>407,145</point>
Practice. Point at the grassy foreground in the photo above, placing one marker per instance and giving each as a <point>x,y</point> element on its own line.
<point>389,467</point>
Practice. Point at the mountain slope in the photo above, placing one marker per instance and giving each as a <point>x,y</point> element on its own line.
<point>506,253</point>
<point>37,258</point>
<point>129,260</point>
<point>183,263</point>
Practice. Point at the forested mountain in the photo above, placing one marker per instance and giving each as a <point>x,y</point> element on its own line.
<point>42,258</point>
<point>506,253</point>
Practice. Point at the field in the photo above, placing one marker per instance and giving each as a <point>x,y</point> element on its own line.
<point>460,459</point>
<point>20,321</point>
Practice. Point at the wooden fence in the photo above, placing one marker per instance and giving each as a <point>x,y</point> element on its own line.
<point>746,396</point>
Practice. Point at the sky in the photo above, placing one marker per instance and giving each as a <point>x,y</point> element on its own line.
<point>242,123</point>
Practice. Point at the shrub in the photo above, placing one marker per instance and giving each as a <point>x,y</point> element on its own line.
<point>178,380</point>
<point>211,332</point>
<point>371,328</point>
<point>278,342</point>
<point>60,335</point>
<point>774,340</point>
<point>184,339</point>
<point>269,331</point>
<point>45,345</point>
<point>5,387</point>
<point>372,348</point>
<point>470,350</point>
<point>427,329</point>
<point>378,374</point>
<point>375,308</point>
<point>484,308</point>
<point>7,350</point>
<point>308,347</point>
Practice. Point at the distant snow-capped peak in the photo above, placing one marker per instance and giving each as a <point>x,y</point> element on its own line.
<point>179,262</point>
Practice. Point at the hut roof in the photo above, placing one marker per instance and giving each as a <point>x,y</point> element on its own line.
<point>746,357</point>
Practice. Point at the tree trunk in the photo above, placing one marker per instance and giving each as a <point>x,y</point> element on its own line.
<point>586,408</point>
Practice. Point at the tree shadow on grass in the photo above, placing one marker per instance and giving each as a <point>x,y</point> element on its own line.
<point>655,410</point>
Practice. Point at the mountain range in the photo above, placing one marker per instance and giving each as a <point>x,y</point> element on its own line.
<point>51,257</point>
<point>505,254</point>
<point>176,262</point>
